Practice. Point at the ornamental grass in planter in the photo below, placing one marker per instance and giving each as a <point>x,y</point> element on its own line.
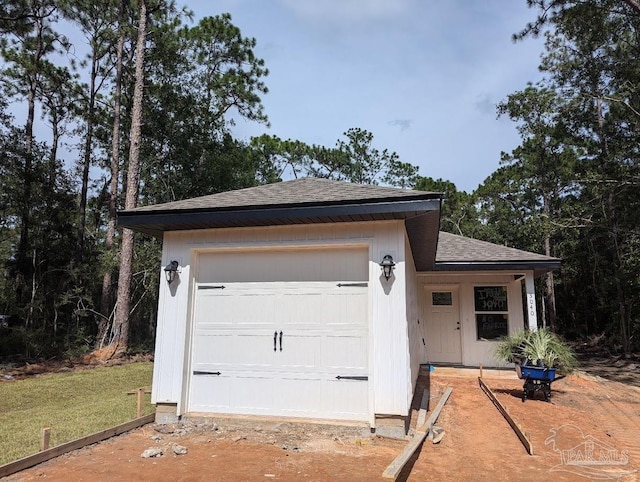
<point>541,348</point>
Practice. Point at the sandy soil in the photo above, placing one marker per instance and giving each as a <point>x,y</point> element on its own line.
<point>585,411</point>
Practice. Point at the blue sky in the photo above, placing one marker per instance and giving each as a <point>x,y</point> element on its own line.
<point>422,76</point>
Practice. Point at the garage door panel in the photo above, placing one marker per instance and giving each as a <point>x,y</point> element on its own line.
<point>212,349</point>
<point>346,399</point>
<point>297,307</point>
<point>300,396</point>
<point>324,327</point>
<point>346,308</point>
<point>237,307</point>
<point>252,392</point>
<point>347,353</point>
<point>222,350</point>
<point>210,393</point>
<point>300,352</point>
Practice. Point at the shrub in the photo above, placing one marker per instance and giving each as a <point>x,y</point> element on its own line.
<point>539,348</point>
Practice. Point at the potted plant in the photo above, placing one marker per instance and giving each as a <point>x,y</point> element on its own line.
<point>540,348</point>
<point>537,355</point>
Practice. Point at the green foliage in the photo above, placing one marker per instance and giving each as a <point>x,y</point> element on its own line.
<point>510,347</point>
<point>197,79</point>
<point>354,160</point>
<point>535,347</point>
<point>592,61</point>
<point>458,213</point>
<point>73,405</point>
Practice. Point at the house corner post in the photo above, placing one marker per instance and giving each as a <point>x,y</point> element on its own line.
<point>532,316</point>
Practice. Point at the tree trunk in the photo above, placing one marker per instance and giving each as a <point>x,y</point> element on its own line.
<point>86,164</point>
<point>550,290</point>
<point>120,342</point>
<point>625,325</point>
<point>107,291</point>
<point>22,258</point>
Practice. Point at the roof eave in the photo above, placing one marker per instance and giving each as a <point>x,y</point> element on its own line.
<point>155,223</point>
<point>539,267</point>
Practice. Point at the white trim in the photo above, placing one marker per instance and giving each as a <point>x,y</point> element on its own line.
<point>532,315</point>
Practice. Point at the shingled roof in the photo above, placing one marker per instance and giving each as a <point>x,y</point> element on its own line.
<point>313,200</point>
<point>458,253</point>
<point>300,201</point>
<point>298,192</point>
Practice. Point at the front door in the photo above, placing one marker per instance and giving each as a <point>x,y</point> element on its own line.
<point>442,337</point>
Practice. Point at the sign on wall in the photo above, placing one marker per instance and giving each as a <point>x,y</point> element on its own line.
<point>492,312</point>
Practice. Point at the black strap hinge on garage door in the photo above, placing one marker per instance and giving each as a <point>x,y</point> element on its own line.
<point>218,287</point>
<point>347,285</point>
<point>198,372</point>
<point>340,377</point>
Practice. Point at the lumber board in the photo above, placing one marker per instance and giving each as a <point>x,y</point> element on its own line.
<point>31,460</point>
<point>433,416</point>
<point>134,392</point>
<point>505,413</point>
<point>424,408</point>
<point>394,469</point>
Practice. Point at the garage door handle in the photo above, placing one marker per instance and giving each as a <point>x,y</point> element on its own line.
<point>275,340</point>
<point>197,372</point>
<point>340,377</point>
<point>280,341</point>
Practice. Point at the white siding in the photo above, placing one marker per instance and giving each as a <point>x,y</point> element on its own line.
<point>478,351</point>
<point>414,328</point>
<point>389,361</point>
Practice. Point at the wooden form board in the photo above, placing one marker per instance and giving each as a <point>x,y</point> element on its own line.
<point>505,413</point>
<point>31,460</point>
<point>394,469</point>
<point>424,408</point>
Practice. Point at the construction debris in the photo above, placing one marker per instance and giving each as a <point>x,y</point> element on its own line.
<point>505,413</point>
<point>179,449</point>
<point>394,469</point>
<point>436,434</point>
<point>152,452</point>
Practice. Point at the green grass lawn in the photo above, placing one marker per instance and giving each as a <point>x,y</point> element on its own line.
<point>72,404</point>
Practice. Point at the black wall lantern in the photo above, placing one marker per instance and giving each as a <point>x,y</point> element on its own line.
<point>387,266</point>
<point>170,271</point>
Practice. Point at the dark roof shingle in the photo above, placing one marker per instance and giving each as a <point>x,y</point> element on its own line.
<point>460,253</point>
<point>305,191</point>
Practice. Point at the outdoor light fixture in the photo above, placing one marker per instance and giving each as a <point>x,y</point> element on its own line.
<point>170,271</point>
<point>387,266</point>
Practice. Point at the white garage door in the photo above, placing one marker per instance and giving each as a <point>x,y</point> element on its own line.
<point>282,333</point>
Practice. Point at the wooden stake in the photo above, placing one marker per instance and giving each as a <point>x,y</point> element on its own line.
<point>505,413</point>
<point>139,402</point>
<point>480,370</point>
<point>414,444</point>
<point>44,439</point>
<point>31,460</point>
<point>140,398</point>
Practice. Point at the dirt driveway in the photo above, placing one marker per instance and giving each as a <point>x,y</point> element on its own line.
<point>590,430</point>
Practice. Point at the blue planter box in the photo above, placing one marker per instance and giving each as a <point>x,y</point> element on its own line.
<point>536,373</point>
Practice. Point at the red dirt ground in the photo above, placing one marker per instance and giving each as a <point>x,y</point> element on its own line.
<point>478,445</point>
